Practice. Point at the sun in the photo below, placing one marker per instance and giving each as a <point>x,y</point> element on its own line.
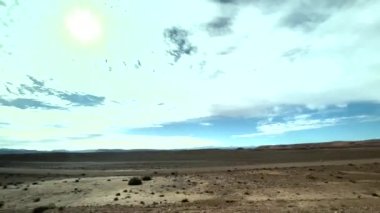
<point>84,26</point>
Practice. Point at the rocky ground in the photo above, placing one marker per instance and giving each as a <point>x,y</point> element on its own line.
<point>350,187</point>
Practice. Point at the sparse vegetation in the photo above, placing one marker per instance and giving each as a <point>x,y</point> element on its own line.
<point>41,209</point>
<point>311,177</point>
<point>185,200</point>
<point>116,199</point>
<point>134,181</point>
<point>146,178</point>
<point>117,194</point>
<point>37,200</point>
<point>1,204</point>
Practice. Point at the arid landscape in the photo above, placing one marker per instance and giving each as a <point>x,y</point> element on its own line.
<point>331,177</point>
<point>195,106</point>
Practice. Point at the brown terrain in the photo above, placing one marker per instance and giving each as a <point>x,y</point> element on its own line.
<point>324,177</point>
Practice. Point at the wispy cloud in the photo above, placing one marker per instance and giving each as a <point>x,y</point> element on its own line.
<point>38,95</point>
<point>178,37</point>
<point>25,103</point>
<point>205,124</point>
<point>298,123</point>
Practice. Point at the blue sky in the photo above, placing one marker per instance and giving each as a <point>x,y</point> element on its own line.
<point>81,74</point>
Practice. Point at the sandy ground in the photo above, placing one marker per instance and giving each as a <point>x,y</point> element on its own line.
<point>342,178</point>
<point>337,186</point>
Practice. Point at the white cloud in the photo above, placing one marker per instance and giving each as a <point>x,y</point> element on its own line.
<point>300,122</point>
<point>296,125</point>
<point>205,124</point>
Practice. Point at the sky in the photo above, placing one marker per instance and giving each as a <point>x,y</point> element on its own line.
<point>169,74</point>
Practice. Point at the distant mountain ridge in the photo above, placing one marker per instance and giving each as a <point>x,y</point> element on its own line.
<point>27,151</point>
<point>321,145</point>
<point>18,151</point>
<point>332,144</point>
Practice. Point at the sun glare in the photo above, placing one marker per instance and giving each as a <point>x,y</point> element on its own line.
<point>84,26</point>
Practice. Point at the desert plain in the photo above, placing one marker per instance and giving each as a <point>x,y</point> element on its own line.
<point>333,177</point>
